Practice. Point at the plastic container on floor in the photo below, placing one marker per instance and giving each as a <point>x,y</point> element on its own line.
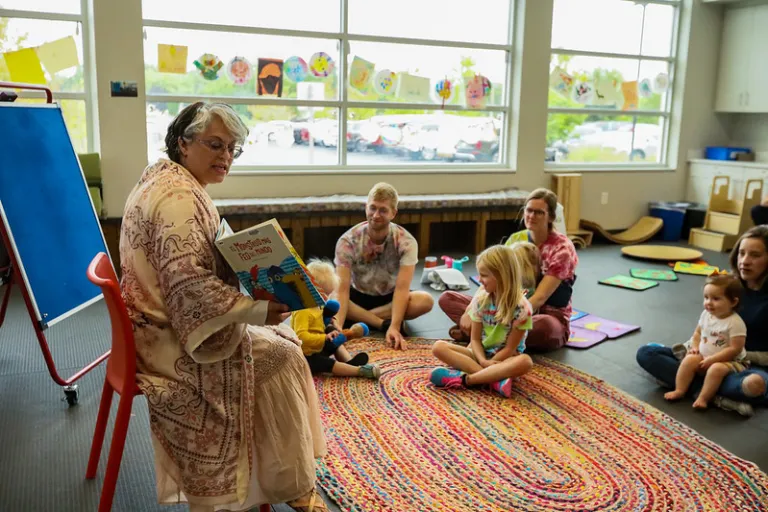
<point>673,215</point>
<point>695,215</point>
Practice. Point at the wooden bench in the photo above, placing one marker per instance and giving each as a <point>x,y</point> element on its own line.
<point>426,216</point>
<point>297,215</point>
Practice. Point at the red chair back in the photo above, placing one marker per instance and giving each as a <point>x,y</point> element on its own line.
<point>121,365</point>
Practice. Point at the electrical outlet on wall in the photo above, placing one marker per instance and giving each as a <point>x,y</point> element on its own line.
<point>604,198</point>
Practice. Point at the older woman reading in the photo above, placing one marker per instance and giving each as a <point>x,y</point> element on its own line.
<point>233,410</point>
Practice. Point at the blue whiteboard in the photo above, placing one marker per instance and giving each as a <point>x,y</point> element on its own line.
<point>47,210</point>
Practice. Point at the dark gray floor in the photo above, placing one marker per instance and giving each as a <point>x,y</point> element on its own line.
<point>44,444</point>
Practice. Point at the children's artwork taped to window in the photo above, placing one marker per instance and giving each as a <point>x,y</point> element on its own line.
<point>172,58</point>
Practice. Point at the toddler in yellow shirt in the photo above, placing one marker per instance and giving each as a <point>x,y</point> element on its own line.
<point>322,340</point>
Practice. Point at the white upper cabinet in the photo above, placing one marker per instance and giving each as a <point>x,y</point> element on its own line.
<point>743,67</point>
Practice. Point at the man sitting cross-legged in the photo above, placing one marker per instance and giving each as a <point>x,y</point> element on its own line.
<point>375,261</point>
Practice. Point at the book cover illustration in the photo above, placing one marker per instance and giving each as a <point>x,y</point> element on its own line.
<point>268,266</point>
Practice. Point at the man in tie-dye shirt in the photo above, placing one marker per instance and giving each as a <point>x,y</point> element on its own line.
<point>376,260</point>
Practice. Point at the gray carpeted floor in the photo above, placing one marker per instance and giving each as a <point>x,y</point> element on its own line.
<point>44,443</point>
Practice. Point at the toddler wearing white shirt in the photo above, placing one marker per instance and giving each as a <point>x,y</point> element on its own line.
<point>717,345</point>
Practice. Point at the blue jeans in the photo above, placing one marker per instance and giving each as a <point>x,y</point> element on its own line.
<point>662,364</point>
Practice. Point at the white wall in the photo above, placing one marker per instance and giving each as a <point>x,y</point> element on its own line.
<point>122,122</point>
<point>750,130</point>
<point>122,129</point>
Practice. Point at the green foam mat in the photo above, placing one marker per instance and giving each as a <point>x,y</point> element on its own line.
<point>632,283</point>
<point>653,274</point>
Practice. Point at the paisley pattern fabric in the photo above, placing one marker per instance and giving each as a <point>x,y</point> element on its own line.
<point>233,410</point>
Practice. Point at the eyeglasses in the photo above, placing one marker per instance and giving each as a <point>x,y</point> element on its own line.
<point>535,213</point>
<point>218,147</point>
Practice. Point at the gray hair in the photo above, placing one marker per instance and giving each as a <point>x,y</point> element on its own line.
<point>195,118</point>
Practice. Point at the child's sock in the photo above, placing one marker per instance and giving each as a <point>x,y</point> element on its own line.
<point>503,387</point>
<point>359,359</point>
<point>370,371</point>
<point>358,330</point>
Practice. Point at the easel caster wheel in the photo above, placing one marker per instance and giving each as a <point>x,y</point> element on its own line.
<point>71,395</point>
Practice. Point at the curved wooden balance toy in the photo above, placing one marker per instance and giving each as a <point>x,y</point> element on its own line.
<point>641,231</point>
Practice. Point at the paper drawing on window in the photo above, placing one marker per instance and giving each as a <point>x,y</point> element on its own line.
<point>560,81</point>
<point>62,54</point>
<point>321,64</point>
<point>645,90</point>
<point>412,88</point>
<point>360,74</point>
<point>477,90</point>
<point>661,83</point>
<point>384,82</point>
<point>209,66</point>
<point>24,66</point>
<point>295,69</point>
<point>606,93</point>
<point>445,89</point>
<point>582,92</point>
<point>270,79</point>
<point>239,70</point>
<point>629,91</point>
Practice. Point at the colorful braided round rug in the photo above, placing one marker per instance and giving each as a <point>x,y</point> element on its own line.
<point>565,441</point>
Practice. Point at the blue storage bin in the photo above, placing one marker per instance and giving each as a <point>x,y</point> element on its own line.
<point>724,152</point>
<point>673,215</point>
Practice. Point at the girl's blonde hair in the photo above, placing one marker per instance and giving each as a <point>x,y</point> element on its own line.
<point>530,262</point>
<point>504,264</point>
<point>323,272</point>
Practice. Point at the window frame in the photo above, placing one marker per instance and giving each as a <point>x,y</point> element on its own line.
<point>667,114</point>
<point>343,104</point>
<point>85,32</point>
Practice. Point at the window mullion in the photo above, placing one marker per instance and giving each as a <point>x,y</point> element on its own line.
<point>34,15</point>
<point>89,70</point>
<point>509,76</point>
<point>342,88</point>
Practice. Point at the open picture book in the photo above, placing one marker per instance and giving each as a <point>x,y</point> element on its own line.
<point>268,266</point>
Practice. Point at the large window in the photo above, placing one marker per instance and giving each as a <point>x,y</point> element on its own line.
<point>337,84</point>
<point>43,40</point>
<point>610,87</point>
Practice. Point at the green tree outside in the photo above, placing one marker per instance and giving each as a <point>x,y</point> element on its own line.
<point>560,127</point>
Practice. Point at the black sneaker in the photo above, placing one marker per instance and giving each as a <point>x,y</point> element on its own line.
<point>360,359</point>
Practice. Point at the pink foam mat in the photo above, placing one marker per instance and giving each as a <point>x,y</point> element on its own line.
<point>611,328</point>
<point>584,338</point>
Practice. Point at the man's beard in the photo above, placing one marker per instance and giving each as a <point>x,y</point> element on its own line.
<point>382,230</point>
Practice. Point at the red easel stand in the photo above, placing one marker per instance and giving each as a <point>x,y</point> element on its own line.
<point>14,276</point>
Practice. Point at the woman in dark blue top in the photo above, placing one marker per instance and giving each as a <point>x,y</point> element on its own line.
<point>760,212</point>
<point>749,259</point>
